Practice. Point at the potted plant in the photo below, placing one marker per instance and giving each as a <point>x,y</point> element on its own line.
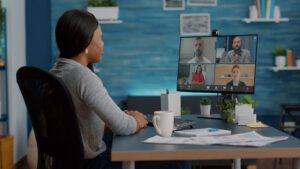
<point>205,107</point>
<point>280,57</point>
<point>227,110</point>
<point>104,9</point>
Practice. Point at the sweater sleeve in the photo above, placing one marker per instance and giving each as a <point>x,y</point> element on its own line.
<point>92,92</point>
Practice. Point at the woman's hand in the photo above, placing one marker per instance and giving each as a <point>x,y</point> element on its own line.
<point>140,118</point>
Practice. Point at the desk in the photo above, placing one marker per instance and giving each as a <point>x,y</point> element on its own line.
<point>130,148</point>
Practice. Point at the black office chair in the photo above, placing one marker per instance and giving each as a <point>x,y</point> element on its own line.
<point>53,118</point>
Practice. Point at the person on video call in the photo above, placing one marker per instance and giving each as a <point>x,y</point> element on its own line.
<point>198,52</point>
<point>79,40</point>
<point>198,77</point>
<point>243,54</point>
<point>235,74</point>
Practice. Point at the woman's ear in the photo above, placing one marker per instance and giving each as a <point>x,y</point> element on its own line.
<point>86,51</point>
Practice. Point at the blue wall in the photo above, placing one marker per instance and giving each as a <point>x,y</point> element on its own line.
<point>141,54</point>
<point>38,37</point>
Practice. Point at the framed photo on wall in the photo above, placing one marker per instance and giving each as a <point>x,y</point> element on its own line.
<point>173,5</point>
<point>202,2</point>
<point>195,24</point>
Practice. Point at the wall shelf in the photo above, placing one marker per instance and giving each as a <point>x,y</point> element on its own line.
<point>276,69</point>
<point>249,20</point>
<point>110,21</point>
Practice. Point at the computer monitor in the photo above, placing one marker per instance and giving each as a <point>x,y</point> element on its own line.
<point>217,64</point>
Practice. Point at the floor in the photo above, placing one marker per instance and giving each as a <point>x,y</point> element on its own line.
<point>261,164</point>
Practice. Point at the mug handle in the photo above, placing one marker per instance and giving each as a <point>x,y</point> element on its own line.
<point>155,118</point>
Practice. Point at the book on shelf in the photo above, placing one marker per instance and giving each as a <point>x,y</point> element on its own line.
<point>290,58</point>
<point>265,8</point>
<point>268,8</point>
<point>258,8</point>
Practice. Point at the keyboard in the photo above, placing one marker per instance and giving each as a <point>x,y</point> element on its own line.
<point>178,123</point>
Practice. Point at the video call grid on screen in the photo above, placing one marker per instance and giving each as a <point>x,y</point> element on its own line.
<point>228,64</point>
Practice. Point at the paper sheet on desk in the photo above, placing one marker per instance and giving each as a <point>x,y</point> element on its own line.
<point>244,139</point>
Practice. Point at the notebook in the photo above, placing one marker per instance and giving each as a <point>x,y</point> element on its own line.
<point>203,132</point>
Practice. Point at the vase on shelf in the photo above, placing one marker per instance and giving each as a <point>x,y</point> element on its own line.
<point>253,12</point>
<point>276,13</point>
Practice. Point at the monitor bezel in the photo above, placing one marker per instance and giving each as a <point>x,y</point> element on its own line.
<point>211,91</point>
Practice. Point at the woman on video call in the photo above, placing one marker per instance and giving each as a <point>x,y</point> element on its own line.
<point>198,77</point>
<point>79,40</point>
<point>235,74</point>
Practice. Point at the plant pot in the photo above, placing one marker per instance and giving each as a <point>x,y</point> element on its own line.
<point>280,61</point>
<point>205,110</point>
<point>298,62</point>
<point>105,13</point>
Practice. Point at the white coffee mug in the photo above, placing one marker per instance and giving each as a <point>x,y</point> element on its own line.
<point>163,122</point>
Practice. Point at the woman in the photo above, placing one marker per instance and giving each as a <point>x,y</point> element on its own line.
<point>235,73</point>
<point>79,40</point>
<point>198,77</point>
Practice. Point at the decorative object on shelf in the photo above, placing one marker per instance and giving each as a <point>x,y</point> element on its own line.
<point>171,5</point>
<point>290,58</point>
<point>277,12</point>
<point>195,24</point>
<point>253,12</point>
<point>280,57</point>
<point>104,9</point>
<point>205,106</point>
<point>202,2</point>
<point>298,61</point>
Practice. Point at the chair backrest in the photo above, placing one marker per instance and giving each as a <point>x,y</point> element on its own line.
<point>53,118</point>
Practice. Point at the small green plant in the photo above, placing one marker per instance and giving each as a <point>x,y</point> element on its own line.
<point>96,3</point>
<point>280,51</point>
<point>205,101</point>
<point>227,110</point>
<point>248,100</point>
<point>185,111</point>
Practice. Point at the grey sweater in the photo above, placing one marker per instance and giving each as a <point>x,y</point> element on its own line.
<point>94,107</point>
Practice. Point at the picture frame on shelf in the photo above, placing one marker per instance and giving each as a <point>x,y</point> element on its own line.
<point>202,2</point>
<point>171,5</point>
<point>197,24</point>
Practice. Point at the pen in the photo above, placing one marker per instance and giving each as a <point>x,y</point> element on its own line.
<point>212,129</point>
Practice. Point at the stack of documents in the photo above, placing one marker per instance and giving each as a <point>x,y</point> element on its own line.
<point>203,132</point>
<point>244,139</point>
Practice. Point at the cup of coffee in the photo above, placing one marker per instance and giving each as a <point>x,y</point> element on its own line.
<point>163,122</point>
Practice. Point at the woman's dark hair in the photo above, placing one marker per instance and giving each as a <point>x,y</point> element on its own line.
<point>200,69</point>
<point>74,32</point>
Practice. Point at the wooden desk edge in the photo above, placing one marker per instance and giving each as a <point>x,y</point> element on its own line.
<point>244,153</point>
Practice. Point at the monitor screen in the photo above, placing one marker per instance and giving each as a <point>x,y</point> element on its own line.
<point>218,64</point>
